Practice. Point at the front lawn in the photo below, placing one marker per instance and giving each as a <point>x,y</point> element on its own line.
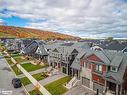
<point>16,70</point>
<point>56,87</point>
<point>15,55</point>
<point>30,67</point>
<point>34,92</point>
<point>39,76</point>
<point>25,81</point>
<point>9,61</point>
<point>18,59</point>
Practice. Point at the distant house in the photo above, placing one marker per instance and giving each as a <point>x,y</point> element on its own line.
<point>36,50</point>
<point>114,45</point>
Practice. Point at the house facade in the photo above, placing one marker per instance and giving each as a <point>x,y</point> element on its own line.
<point>63,56</point>
<point>104,71</point>
<point>37,51</point>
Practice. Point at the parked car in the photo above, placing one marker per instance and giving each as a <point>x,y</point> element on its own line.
<point>16,82</point>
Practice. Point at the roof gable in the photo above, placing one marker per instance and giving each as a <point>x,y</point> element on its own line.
<point>55,50</point>
<point>74,51</point>
<point>93,57</point>
<point>116,61</point>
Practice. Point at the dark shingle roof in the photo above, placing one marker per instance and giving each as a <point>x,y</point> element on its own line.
<point>118,76</point>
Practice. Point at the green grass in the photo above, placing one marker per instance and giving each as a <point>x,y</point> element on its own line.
<point>18,59</point>
<point>38,76</point>
<point>9,61</point>
<point>16,70</point>
<point>56,87</point>
<point>25,81</point>
<point>30,67</point>
<point>34,92</point>
<point>15,55</point>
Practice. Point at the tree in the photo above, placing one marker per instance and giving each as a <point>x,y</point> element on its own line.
<point>109,39</point>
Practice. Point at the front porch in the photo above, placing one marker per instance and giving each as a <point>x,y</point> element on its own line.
<point>112,88</point>
<point>76,73</point>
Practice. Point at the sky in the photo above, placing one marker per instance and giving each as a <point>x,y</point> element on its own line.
<point>82,18</point>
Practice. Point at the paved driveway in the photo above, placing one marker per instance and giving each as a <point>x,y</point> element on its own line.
<point>6,77</point>
<point>79,90</point>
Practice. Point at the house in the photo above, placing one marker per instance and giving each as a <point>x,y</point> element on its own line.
<point>62,55</point>
<point>36,50</point>
<point>105,71</point>
<point>13,44</point>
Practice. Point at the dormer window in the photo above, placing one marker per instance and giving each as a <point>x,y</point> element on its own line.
<point>114,69</point>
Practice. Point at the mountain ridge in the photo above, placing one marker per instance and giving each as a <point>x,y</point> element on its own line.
<point>21,32</point>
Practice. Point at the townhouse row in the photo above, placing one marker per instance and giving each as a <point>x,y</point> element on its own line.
<point>97,69</point>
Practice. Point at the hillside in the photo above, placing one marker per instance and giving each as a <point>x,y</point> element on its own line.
<point>18,32</point>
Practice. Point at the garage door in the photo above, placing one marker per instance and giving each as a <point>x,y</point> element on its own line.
<point>85,81</point>
<point>98,86</point>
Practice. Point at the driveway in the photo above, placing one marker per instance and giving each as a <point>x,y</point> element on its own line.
<point>6,77</point>
<point>79,90</point>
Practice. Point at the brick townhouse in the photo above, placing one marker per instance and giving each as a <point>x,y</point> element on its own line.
<point>105,71</point>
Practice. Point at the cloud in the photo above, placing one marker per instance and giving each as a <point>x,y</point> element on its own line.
<point>84,18</point>
<point>2,22</point>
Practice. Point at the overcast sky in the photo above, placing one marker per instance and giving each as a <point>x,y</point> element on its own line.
<point>83,18</point>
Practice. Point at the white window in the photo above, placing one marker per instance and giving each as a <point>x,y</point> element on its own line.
<point>86,65</point>
<point>114,69</point>
<point>99,67</point>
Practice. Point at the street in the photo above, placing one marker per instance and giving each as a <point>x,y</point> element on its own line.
<point>6,77</point>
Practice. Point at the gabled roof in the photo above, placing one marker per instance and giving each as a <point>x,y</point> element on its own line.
<point>118,76</point>
<point>42,49</point>
<point>74,51</point>
<point>55,50</point>
<point>100,54</point>
<point>33,46</point>
<point>116,61</point>
<point>75,65</point>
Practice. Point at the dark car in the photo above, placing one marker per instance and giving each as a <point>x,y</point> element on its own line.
<point>16,82</point>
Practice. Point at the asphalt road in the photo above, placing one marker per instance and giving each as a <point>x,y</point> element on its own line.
<point>6,76</point>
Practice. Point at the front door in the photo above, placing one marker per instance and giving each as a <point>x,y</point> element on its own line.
<point>64,70</point>
<point>112,86</point>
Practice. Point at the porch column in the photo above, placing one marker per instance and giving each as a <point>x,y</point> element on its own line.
<point>121,89</point>
<point>72,72</point>
<point>78,74</point>
<point>117,89</point>
<point>67,69</point>
<point>105,86</point>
